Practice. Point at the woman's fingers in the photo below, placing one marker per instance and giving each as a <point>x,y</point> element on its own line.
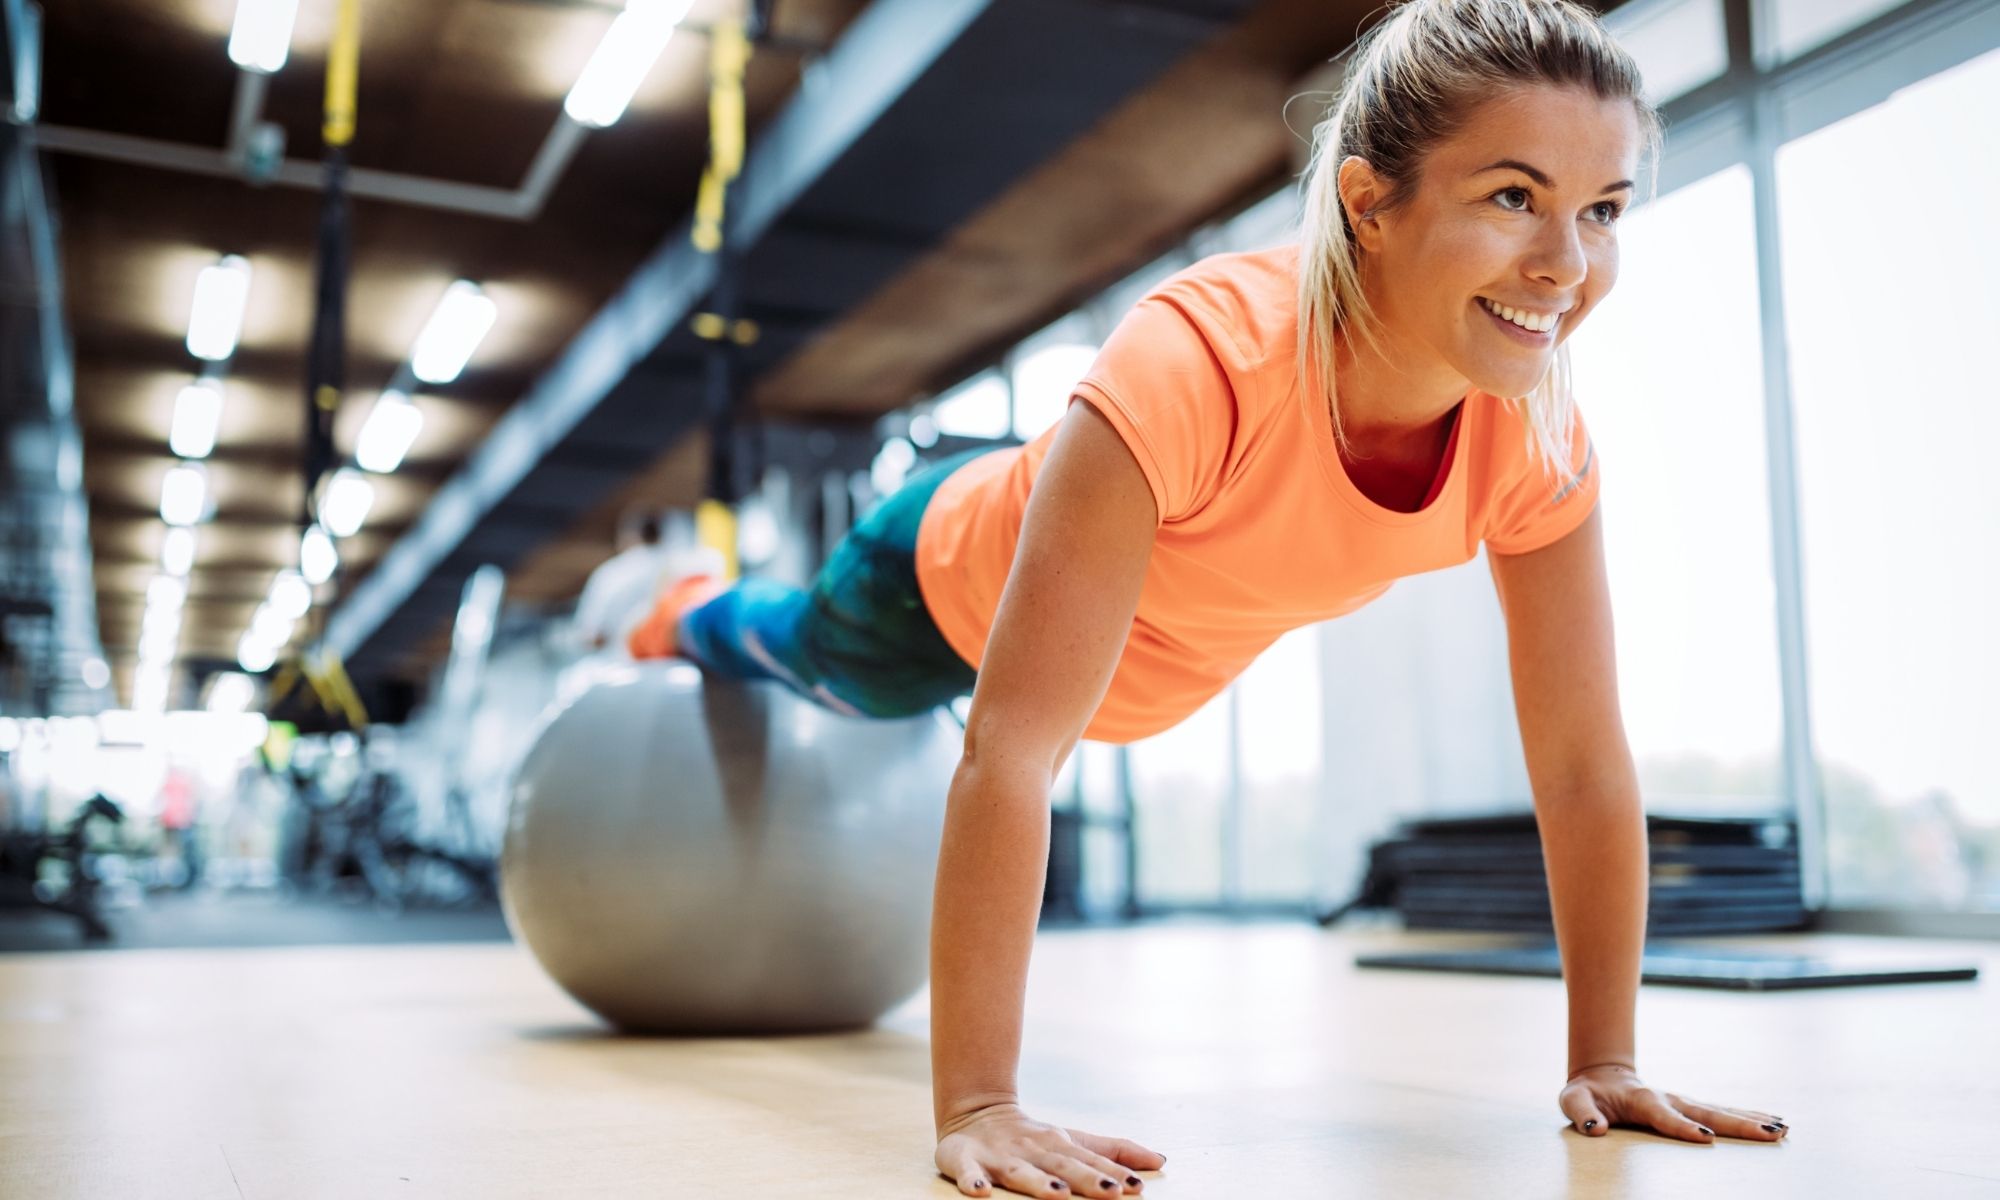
<point>1729,1122</point>
<point>1029,1180</point>
<point>1583,1113</point>
<point>1123,1151</point>
<point>1656,1110</point>
<point>1083,1178</point>
<point>964,1170</point>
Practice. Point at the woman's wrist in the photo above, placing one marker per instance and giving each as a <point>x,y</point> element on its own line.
<point>1610,1065</point>
<point>966,1109</point>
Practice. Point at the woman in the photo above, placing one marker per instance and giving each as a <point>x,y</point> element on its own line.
<point>1268,440</point>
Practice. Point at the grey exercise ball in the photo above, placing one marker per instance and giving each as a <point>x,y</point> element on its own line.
<point>689,855</point>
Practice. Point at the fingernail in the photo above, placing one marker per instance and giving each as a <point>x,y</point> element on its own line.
<point>1705,1129</point>
<point>1132,1181</point>
<point>1106,1183</point>
<point>1590,1124</point>
<point>1770,1129</point>
<point>1056,1186</point>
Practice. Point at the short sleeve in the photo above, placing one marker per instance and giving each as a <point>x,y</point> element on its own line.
<point>1541,506</point>
<point>1161,385</point>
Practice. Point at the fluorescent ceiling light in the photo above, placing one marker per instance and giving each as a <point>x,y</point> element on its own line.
<point>166,593</point>
<point>454,331</point>
<point>197,414</point>
<point>291,595</point>
<point>254,656</point>
<point>177,551</point>
<point>388,433</point>
<point>159,645</point>
<point>160,623</point>
<point>149,687</point>
<point>619,65</point>
<point>346,502</point>
<point>183,495</point>
<point>229,692</point>
<point>220,293</point>
<point>262,35</point>
<point>318,559</point>
<point>271,627</point>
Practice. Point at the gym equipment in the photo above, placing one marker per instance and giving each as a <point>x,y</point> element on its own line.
<point>704,856</point>
<point>77,884</point>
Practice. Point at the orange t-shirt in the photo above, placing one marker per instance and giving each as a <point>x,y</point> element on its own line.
<point>1261,530</point>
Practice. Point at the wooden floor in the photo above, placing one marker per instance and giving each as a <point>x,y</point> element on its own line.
<point>1255,1057</point>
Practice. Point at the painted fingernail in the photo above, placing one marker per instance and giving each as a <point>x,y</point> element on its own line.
<point>1132,1181</point>
<point>1056,1185</point>
<point>1590,1124</point>
<point>1770,1129</point>
<point>1106,1183</point>
<point>1705,1129</point>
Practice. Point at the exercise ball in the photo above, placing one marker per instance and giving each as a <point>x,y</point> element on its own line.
<point>695,855</point>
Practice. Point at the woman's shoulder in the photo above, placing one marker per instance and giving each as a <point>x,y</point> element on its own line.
<point>1244,303</point>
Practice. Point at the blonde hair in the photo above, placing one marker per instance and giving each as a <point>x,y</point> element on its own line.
<point>1412,81</point>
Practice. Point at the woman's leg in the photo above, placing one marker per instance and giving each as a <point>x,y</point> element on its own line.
<point>860,641</point>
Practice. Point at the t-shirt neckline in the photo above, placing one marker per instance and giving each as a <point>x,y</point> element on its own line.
<point>1337,479</point>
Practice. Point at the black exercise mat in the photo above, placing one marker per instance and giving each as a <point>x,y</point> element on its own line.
<point>1686,966</point>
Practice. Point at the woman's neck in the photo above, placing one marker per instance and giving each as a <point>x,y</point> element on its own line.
<point>1385,404</point>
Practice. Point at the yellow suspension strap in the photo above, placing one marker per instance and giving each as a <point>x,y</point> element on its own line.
<point>728,56</point>
<point>326,359</point>
<point>721,326</point>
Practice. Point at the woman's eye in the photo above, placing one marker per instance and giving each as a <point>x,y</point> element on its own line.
<point>1611,210</point>
<point>1513,191</point>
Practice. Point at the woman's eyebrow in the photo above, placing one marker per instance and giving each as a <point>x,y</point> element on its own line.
<point>1510,164</point>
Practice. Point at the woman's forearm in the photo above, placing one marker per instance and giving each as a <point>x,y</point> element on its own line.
<point>992,864</point>
<point>1594,842</point>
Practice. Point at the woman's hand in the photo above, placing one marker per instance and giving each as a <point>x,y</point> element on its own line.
<point>1000,1146</point>
<point>1599,1097</point>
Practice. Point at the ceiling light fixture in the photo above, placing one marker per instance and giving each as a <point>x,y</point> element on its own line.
<point>291,595</point>
<point>177,551</point>
<point>318,558</point>
<point>255,656</point>
<point>454,331</point>
<point>619,65</point>
<point>230,692</point>
<point>261,38</point>
<point>388,433</point>
<point>197,415</point>
<point>220,293</point>
<point>346,502</point>
<point>183,495</point>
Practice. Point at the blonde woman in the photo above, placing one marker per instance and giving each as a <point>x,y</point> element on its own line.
<point>1268,440</point>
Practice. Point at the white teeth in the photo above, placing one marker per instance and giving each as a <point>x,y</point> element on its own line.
<point>1537,323</point>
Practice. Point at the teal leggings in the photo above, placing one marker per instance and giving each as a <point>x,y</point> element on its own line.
<point>859,640</point>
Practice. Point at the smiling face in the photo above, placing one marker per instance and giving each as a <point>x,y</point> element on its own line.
<point>1536,234</point>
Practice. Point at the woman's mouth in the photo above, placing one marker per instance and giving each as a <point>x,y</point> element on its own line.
<point>1529,328</point>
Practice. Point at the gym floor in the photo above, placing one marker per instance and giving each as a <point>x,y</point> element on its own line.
<point>1256,1057</point>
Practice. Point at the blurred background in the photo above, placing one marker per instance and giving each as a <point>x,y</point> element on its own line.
<point>277,623</point>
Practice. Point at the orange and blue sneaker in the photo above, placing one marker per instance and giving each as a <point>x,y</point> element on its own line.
<point>655,636</point>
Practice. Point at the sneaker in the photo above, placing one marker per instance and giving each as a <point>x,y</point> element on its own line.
<point>654,636</point>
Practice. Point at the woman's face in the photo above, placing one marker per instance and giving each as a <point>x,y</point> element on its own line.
<point>1519,209</point>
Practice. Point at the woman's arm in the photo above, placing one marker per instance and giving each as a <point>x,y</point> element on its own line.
<point>1558,608</point>
<point>1061,625</point>
<point>1593,829</point>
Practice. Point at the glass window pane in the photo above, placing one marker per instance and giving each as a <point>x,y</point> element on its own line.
<point>1889,327</point>
<point>1796,26</point>
<point>1669,376</point>
<point>1180,788</point>
<point>980,407</point>
<point>1043,380</point>
<point>1281,729</point>
<point>1680,44</point>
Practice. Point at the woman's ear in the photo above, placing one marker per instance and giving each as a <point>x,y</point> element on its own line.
<point>1361,189</point>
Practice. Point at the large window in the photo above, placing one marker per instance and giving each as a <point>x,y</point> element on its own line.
<point>1890,258</point>
<point>1669,378</point>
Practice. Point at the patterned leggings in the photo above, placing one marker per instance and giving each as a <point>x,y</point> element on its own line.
<point>859,640</point>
